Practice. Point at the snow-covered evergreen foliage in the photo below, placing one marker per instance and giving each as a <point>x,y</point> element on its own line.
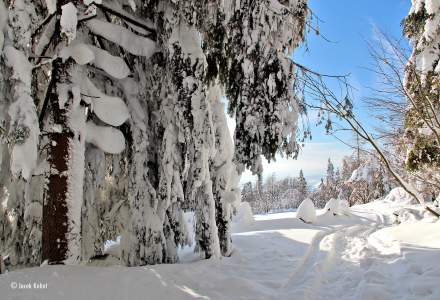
<point>128,96</point>
<point>329,186</point>
<point>261,36</point>
<point>422,27</point>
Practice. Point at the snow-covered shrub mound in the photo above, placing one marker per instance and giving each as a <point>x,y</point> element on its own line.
<point>409,215</point>
<point>399,195</point>
<point>244,216</point>
<point>332,206</point>
<point>337,207</point>
<point>306,211</point>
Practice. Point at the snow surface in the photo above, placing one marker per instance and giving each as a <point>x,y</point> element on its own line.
<point>362,255</point>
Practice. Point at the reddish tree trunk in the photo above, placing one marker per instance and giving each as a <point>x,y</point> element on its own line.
<point>55,210</point>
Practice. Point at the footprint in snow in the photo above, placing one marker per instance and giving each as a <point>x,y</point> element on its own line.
<point>416,269</point>
<point>374,292</point>
<point>373,276</point>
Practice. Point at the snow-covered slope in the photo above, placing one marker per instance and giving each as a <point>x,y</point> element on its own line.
<point>361,255</point>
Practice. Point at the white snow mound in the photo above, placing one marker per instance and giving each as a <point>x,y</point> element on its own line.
<point>399,195</point>
<point>332,206</point>
<point>306,211</point>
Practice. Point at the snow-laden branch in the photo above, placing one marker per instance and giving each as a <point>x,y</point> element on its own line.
<point>128,18</point>
<point>119,35</point>
<point>83,54</point>
<point>106,138</point>
<point>111,110</point>
<point>313,85</point>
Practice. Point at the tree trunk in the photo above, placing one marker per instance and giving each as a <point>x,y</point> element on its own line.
<point>55,221</point>
<point>223,226</point>
<point>62,207</point>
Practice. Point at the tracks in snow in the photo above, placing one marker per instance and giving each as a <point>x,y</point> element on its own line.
<point>333,251</point>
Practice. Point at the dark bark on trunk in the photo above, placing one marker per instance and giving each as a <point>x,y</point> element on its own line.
<point>55,219</point>
<point>55,209</point>
<point>222,226</point>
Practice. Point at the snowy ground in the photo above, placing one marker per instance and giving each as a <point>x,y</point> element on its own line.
<point>363,255</point>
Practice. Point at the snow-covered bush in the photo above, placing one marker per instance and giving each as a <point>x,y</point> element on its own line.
<point>306,211</point>
<point>332,206</point>
<point>399,195</point>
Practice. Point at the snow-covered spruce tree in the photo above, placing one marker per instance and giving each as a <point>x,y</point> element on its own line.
<point>21,209</point>
<point>194,125</point>
<point>331,182</point>
<point>303,189</point>
<point>192,39</point>
<point>77,107</point>
<point>328,188</point>
<point>422,27</point>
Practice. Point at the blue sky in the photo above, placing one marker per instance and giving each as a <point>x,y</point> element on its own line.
<point>350,23</point>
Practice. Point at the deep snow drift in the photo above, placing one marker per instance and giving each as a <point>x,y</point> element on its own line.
<point>374,251</point>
